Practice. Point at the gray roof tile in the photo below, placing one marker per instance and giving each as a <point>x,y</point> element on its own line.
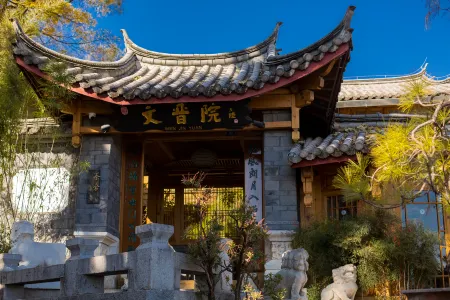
<point>143,73</point>
<point>393,87</point>
<point>353,134</point>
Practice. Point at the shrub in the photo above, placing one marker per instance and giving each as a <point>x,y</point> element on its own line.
<point>386,254</point>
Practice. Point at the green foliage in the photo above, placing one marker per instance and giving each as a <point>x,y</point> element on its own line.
<point>415,89</point>
<point>245,253</point>
<point>66,26</point>
<point>405,159</point>
<point>271,287</point>
<point>377,244</point>
<point>5,244</point>
<point>353,179</point>
<point>22,107</point>
<point>207,247</point>
<point>416,254</point>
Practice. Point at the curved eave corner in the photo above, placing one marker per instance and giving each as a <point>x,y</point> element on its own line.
<point>233,97</point>
<point>145,77</point>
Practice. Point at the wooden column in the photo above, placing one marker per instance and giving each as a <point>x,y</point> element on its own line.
<point>295,119</point>
<point>76,124</point>
<point>131,203</point>
<point>307,175</point>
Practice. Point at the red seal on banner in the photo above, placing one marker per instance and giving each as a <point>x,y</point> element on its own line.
<point>124,110</point>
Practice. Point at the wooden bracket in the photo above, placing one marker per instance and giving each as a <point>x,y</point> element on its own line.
<point>298,101</point>
<point>76,124</point>
<point>307,176</point>
<point>328,68</point>
<point>304,98</point>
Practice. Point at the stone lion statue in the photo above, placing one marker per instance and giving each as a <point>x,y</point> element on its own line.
<point>344,284</point>
<point>294,264</point>
<point>33,253</point>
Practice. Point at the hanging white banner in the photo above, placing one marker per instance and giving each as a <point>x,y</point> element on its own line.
<point>253,184</point>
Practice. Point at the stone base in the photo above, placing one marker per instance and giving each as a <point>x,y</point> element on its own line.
<point>278,242</point>
<point>108,243</point>
<point>140,295</point>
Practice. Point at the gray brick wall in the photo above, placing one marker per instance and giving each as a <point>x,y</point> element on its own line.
<point>103,153</point>
<point>280,189</point>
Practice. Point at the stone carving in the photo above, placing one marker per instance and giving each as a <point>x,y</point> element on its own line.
<point>33,253</point>
<point>344,284</point>
<point>294,264</point>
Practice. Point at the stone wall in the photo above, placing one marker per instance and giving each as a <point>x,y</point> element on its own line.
<point>100,219</point>
<point>280,189</point>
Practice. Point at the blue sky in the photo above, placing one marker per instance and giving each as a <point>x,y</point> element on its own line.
<point>389,38</point>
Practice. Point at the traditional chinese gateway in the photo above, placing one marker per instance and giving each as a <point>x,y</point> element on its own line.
<point>259,123</point>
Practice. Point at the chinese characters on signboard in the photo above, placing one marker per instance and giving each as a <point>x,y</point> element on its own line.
<point>132,199</point>
<point>253,182</point>
<point>183,116</point>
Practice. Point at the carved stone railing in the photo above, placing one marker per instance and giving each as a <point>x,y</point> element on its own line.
<point>153,270</point>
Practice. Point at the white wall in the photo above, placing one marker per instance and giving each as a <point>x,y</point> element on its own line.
<point>41,189</point>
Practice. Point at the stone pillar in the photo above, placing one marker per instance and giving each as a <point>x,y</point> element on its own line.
<point>280,188</point>
<point>81,248</point>
<point>74,283</point>
<point>278,242</point>
<point>98,217</point>
<point>9,262</point>
<point>155,259</point>
<point>280,191</point>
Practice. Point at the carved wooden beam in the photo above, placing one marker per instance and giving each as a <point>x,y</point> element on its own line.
<point>279,91</point>
<point>271,102</point>
<point>86,108</point>
<point>307,176</point>
<point>311,83</point>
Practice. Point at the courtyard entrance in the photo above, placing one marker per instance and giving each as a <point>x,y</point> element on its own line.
<point>165,199</point>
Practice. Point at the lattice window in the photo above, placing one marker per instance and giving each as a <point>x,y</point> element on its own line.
<point>338,209</point>
<point>224,202</point>
<point>169,207</point>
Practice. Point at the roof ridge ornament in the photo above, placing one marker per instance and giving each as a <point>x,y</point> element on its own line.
<point>341,34</point>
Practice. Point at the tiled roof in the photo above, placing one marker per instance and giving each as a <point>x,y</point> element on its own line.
<point>143,74</point>
<point>353,134</point>
<point>335,145</point>
<point>395,87</point>
<point>377,120</point>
